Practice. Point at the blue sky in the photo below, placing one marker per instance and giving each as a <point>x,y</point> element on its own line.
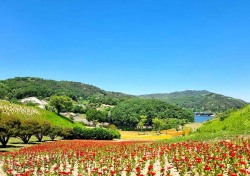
<point>136,47</point>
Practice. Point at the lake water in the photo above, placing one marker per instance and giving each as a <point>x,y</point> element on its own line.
<point>202,118</point>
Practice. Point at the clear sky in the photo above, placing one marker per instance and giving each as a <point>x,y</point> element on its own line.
<point>130,46</point>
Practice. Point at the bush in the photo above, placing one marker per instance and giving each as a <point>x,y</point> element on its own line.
<point>77,132</point>
<point>93,133</point>
<point>116,134</point>
<point>112,127</point>
<point>101,134</point>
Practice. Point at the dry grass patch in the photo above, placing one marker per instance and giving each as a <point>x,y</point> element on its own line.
<point>135,135</point>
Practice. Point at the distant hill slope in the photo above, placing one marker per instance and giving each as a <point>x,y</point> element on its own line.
<point>23,87</point>
<point>199,101</point>
<point>23,111</point>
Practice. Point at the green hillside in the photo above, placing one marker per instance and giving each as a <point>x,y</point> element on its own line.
<point>237,122</point>
<point>128,112</point>
<point>22,87</point>
<point>199,101</point>
<point>33,112</point>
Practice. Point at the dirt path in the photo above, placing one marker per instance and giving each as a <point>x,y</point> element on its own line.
<point>1,169</point>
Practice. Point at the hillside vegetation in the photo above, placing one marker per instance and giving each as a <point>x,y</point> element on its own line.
<point>199,101</point>
<point>128,113</point>
<point>22,111</point>
<point>237,122</point>
<point>22,87</point>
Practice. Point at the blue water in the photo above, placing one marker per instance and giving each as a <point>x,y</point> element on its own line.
<point>202,118</point>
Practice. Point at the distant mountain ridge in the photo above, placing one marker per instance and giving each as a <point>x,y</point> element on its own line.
<point>23,87</point>
<point>199,101</point>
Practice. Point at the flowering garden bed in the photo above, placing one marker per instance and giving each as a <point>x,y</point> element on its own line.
<point>80,158</point>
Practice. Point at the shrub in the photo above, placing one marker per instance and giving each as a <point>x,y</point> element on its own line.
<point>93,133</point>
<point>112,127</point>
<point>101,134</point>
<point>77,132</point>
<point>86,133</point>
<point>116,134</point>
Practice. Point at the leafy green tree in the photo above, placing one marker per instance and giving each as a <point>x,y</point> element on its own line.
<point>95,115</point>
<point>141,123</point>
<point>54,132</point>
<point>9,127</point>
<point>61,103</point>
<point>28,128</point>
<point>158,124</point>
<point>43,130</point>
<point>67,133</point>
<point>78,109</point>
<point>3,91</point>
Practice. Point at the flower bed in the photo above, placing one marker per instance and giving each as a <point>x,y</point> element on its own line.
<point>79,157</point>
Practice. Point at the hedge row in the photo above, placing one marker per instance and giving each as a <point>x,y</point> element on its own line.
<point>93,133</point>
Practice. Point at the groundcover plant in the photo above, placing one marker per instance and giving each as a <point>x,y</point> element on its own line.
<point>80,158</point>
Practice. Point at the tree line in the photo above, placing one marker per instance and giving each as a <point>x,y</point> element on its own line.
<point>25,128</point>
<point>13,126</point>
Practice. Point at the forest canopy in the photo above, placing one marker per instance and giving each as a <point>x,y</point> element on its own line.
<point>128,113</point>
<point>23,87</point>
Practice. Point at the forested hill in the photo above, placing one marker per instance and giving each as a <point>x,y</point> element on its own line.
<point>199,101</point>
<point>22,87</point>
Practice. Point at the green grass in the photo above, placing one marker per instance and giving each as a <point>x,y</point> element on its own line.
<point>238,123</point>
<point>23,111</point>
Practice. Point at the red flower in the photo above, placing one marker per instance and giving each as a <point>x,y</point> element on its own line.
<point>150,166</point>
<point>222,165</point>
<point>162,169</point>
<point>232,153</point>
<point>9,171</point>
<point>207,168</point>
<point>112,172</point>
<point>138,169</point>
<point>244,171</point>
<point>233,174</point>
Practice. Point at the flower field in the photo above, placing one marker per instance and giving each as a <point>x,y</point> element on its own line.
<point>80,158</point>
